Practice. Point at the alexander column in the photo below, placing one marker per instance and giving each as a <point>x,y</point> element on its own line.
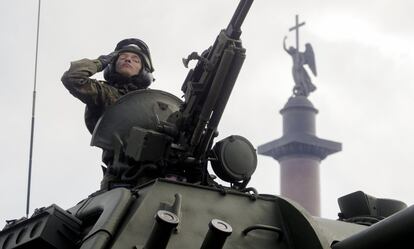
<point>299,151</point>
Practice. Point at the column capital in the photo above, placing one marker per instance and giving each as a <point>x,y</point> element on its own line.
<point>299,144</point>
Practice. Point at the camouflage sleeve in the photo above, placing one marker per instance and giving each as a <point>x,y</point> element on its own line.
<point>90,91</point>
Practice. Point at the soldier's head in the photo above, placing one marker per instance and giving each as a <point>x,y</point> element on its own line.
<point>131,65</point>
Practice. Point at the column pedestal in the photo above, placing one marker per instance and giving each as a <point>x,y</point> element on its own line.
<point>299,152</point>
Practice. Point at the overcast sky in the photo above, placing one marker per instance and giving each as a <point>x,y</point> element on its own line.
<point>365,89</point>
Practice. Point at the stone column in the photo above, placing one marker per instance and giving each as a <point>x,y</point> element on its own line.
<point>299,152</point>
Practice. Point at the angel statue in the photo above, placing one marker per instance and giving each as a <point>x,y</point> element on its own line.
<point>303,83</point>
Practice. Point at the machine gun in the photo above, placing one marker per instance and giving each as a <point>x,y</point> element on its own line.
<point>207,89</point>
<point>208,86</point>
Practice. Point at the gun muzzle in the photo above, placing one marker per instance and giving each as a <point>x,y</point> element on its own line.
<point>165,222</point>
<point>217,234</point>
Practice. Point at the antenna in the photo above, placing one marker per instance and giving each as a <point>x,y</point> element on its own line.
<point>29,178</point>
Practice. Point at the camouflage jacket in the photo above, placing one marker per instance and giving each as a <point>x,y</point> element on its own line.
<point>96,94</point>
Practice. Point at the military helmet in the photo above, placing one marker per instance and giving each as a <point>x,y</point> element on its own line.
<point>144,78</point>
<point>139,47</point>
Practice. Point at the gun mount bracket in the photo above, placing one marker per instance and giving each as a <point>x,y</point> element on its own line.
<point>194,56</point>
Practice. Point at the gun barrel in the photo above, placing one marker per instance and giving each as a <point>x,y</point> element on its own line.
<point>392,232</point>
<point>213,94</point>
<point>233,29</point>
<point>223,98</point>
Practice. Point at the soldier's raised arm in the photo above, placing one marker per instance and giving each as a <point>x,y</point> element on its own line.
<point>90,91</point>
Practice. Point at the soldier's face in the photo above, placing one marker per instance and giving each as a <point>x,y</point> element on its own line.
<point>128,64</point>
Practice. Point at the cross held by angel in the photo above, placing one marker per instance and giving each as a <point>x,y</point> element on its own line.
<point>303,83</point>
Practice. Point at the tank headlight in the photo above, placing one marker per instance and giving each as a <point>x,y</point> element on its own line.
<point>235,159</point>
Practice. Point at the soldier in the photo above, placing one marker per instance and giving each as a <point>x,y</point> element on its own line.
<point>126,69</point>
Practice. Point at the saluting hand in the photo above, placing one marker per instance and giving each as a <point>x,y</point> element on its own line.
<point>107,59</point>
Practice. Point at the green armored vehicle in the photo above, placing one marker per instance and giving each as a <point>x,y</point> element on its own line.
<point>164,196</point>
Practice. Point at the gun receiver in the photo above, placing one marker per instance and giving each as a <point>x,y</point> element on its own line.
<point>208,86</point>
